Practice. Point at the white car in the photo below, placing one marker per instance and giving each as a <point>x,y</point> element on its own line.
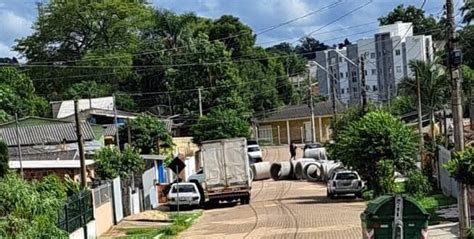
<point>254,151</point>
<point>344,182</point>
<point>188,194</point>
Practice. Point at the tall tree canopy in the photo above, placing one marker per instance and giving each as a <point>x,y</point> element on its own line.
<point>422,24</point>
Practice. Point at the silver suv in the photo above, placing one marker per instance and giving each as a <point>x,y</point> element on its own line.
<point>344,182</point>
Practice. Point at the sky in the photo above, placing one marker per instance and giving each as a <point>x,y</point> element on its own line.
<point>17,17</point>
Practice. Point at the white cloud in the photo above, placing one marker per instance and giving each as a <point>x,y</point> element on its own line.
<point>13,26</point>
<point>5,51</point>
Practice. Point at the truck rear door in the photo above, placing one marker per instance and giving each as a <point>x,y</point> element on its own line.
<point>236,162</point>
<point>214,167</point>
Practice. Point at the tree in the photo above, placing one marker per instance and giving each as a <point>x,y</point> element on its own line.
<point>371,143</point>
<point>220,124</point>
<point>236,36</point>
<point>309,46</point>
<point>146,133</point>
<point>111,163</point>
<point>17,94</point>
<point>467,11</point>
<point>466,42</point>
<point>30,210</point>
<point>283,47</point>
<point>422,25</point>
<point>88,89</point>
<point>3,159</point>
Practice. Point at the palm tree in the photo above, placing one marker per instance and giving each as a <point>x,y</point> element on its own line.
<point>434,88</point>
<point>468,11</point>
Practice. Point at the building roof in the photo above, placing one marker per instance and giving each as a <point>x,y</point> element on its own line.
<point>32,120</point>
<point>45,134</point>
<point>40,164</point>
<point>301,111</point>
<point>109,129</point>
<point>63,109</point>
<point>31,154</point>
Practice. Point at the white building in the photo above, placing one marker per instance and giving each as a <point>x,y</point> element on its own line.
<point>387,55</point>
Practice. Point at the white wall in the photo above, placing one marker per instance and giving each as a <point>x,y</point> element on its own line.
<point>79,233</point>
<point>368,46</point>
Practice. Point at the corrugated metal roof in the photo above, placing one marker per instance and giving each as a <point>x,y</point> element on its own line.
<point>301,111</point>
<point>28,154</point>
<point>109,129</point>
<point>45,134</point>
<point>64,109</point>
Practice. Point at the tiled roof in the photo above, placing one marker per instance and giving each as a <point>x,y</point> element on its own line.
<point>301,111</point>
<point>45,134</point>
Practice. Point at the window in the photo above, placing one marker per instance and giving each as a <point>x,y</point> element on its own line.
<point>374,88</point>
<point>397,52</point>
<point>340,59</point>
<point>354,89</point>
<point>346,176</point>
<point>354,79</point>
<point>374,72</point>
<point>183,189</point>
<point>399,69</point>
<point>372,55</point>
<point>333,60</point>
<point>365,72</point>
<point>347,74</point>
<point>342,91</point>
<point>379,53</point>
<point>342,75</point>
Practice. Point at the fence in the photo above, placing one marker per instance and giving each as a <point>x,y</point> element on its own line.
<point>448,184</point>
<point>77,212</point>
<point>277,135</point>
<point>102,194</point>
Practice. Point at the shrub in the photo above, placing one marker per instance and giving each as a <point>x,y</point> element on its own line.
<point>368,195</point>
<point>385,181</point>
<point>417,184</point>
<point>461,166</point>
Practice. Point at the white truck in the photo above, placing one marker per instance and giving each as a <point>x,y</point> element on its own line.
<point>225,175</point>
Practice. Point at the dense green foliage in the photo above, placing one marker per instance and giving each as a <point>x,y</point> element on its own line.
<point>433,84</point>
<point>147,133</point>
<point>17,95</point>
<point>468,12</point>
<point>422,25</point>
<point>163,55</point>
<point>110,162</point>
<point>220,124</point>
<point>461,166</point>
<point>417,184</point>
<point>376,137</point>
<point>3,159</point>
<point>30,210</point>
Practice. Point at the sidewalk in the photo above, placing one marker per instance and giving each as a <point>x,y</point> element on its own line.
<point>443,231</point>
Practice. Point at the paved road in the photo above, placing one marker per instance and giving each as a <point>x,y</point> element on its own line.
<point>282,209</point>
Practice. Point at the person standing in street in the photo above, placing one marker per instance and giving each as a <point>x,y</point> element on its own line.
<point>293,151</point>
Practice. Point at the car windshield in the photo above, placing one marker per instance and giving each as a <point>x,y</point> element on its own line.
<point>253,149</point>
<point>184,189</point>
<point>346,176</point>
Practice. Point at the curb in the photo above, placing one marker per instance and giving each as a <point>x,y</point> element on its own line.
<point>443,225</point>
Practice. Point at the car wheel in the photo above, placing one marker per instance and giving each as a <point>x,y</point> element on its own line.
<point>332,196</point>
<point>359,195</point>
<point>328,194</point>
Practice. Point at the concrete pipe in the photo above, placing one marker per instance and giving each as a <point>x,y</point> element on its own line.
<point>281,170</point>
<point>328,167</point>
<point>251,175</point>
<point>312,171</point>
<point>299,167</point>
<point>261,170</point>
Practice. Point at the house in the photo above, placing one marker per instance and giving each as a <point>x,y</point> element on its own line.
<point>33,120</point>
<point>293,124</point>
<point>63,109</point>
<point>49,148</point>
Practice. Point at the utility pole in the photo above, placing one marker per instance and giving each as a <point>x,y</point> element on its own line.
<point>18,142</point>
<point>313,126</point>
<point>333,91</point>
<point>117,139</point>
<point>456,104</point>
<point>200,102</point>
<point>80,144</point>
<point>420,117</point>
<point>363,83</point>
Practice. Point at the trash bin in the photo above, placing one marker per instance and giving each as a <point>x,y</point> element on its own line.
<point>391,216</point>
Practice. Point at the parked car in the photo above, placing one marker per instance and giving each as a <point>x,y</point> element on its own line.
<point>314,150</point>
<point>344,182</point>
<point>254,152</point>
<point>187,193</point>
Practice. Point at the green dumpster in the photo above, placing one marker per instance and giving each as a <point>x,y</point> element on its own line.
<point>394,217</point>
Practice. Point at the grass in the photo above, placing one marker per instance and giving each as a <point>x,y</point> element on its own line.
<point>180,223</point>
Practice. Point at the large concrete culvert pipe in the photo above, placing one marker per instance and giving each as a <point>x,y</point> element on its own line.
<point>327,167</point>
<point>261,170</point>
<point>312,171</point>
<point>281,170</point>
<point>299,167</point>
